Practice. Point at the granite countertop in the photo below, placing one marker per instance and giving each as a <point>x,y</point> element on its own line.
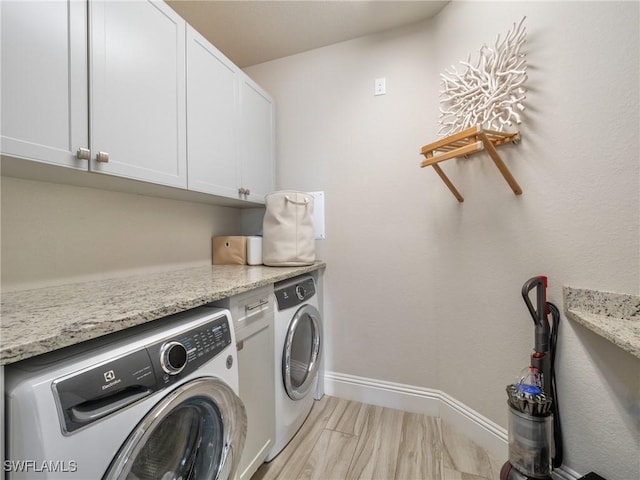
<point>46,319</point>
<point>613,316</point>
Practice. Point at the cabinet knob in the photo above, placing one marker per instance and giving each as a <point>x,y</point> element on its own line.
<point>247,191</point>
<point>242,191</point>
<point>83,154</point>
<point>102,157</point>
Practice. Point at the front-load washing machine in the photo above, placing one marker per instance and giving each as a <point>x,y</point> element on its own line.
<point>155,402</point>
<point>298,349</point>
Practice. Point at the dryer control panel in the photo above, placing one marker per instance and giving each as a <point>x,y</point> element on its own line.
<point>96,392</point>
<point>292,294</point>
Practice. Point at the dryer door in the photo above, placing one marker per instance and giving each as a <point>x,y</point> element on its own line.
<point>196,432</point>
<point>301,355</point>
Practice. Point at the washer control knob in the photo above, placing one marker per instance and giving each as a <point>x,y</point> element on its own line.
<point>173,358</point>
<point>300,292</point>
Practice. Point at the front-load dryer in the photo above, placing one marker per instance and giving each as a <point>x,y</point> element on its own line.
<point>298,349</point>
<point>154,402</point>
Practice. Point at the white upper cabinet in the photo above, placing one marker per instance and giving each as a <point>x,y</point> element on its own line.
<point>211,119</point>
<point>257,140</point>
<point>44,81</point>
<point>137,85</point>
<point>128,89</point>
<point>230,126</point>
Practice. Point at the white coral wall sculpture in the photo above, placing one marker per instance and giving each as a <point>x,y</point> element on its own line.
<point>489,94</point>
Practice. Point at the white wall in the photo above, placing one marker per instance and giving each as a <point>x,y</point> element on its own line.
<point>53,233</point>
<point>424,291</point>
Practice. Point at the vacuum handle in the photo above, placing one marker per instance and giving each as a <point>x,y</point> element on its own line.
<point>540,284</point>
<point>538,314</point>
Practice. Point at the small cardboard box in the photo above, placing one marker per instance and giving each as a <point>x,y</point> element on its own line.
<point>229,250</point>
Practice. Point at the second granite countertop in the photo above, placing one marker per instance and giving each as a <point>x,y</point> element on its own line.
<point>613,316</point>
<point>46,319</point>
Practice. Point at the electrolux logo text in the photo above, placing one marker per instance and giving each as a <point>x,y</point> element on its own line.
<point>40,466</point>
<point>110,378</point>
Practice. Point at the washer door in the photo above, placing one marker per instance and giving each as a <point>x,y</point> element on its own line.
<point>196,432</point>
<point>301,356</point>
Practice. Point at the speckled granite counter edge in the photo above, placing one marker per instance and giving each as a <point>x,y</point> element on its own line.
<point>613,316</point>
<point>38,321</point>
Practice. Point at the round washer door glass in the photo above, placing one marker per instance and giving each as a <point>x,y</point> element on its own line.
<point>301,356</point>
<point>190,434</point>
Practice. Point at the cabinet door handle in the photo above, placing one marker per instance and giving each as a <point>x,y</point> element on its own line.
<point>242,191</point>
<point>102,157</point>
<point>83,154</point>
<point>247,191</point>
<point>258,304</point>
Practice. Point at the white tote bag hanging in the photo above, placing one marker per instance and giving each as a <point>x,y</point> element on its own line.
<point>287,230</point>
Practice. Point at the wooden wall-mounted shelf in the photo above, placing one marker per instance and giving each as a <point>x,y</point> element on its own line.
<point>467,142</point>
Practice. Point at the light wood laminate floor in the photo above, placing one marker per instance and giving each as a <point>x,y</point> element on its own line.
<point>347,440</point>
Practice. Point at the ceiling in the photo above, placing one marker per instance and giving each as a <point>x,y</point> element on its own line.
<point>252,32</point>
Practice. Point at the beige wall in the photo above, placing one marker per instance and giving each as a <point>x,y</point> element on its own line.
<point>54,233</point>
<point>425,291</point>
<point>334,135</point>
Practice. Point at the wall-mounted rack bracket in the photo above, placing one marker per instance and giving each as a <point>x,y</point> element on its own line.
<point>465,143</point>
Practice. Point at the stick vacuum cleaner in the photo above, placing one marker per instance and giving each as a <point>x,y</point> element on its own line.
<point>535,437</point>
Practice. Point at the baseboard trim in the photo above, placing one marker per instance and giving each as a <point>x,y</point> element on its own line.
<point>565,473</point>
<point>431,402</point>
<point>477,427</point>
<point>423,400</point>
<point>382,393</point>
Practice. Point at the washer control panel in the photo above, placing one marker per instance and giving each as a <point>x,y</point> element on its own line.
<point>93,393</point>
<point>180,355</point>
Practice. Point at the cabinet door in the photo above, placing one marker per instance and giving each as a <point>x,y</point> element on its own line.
<point>211,119</point>
<point>44,81</point>
<point>257,140</point>
<point>257,392</point>
<point>137,100</point>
